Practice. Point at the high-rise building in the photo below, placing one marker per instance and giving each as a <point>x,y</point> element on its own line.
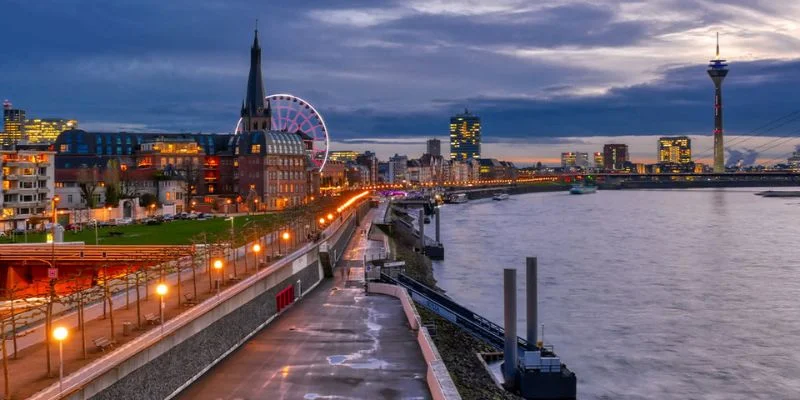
<point>46,130</point>
<point>575,159</point>
<point>12,124</point>
<point>675,150</point>
<point>434,147</point>
<point>615,156</point>
<point>568,160</point>
<point>465,136</point>
<point>398,166</point>
<point>598,160</point>
<point>718,70</point>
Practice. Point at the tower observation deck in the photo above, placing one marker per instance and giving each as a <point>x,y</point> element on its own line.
<point>717,71</point>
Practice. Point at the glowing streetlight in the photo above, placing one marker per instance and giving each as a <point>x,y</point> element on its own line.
<point>60,334</point>
<point>322,220</point>
<point>161,289</point>
<point>256,250</point>
<point>330,217</point>
<point>218,267</point>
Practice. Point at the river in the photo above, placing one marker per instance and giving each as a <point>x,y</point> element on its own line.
<point>650,294</point>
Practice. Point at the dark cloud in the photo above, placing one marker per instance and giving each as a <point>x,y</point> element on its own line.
<point>181,66</point>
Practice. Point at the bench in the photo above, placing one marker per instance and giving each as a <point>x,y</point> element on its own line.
<point>152,319</point>
<point>102,343</point>
<point>190,301</point>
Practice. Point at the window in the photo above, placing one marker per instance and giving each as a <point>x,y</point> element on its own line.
<point>169,196</point>
<point>69,198</point>
<point>255,149</point>
<point>63,148</point>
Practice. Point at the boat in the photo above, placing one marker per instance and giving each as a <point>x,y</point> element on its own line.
<point>582,189</point>
<point>500,196</point>
<point>457,198</point>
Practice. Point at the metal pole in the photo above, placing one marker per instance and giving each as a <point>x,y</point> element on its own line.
<point>510,318</point>
<point>438,216</point>
<point>422,230</point>
<point>532,299</point>
<point>60,365</point>
<point>161,308</point>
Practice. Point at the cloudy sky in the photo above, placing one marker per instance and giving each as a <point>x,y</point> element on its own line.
<point>545,75</point>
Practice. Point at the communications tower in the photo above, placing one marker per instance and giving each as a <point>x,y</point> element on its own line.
<point>717,70</point>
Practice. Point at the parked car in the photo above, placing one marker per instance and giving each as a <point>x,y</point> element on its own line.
<point>152,221</point>
<point>167,217</point>
<point>74,227</point>
<point>124,221</point>
<point>108,223</point>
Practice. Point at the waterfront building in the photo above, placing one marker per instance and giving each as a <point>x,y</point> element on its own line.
<point>492,169</point>
<point>46,130</point>
<point>717,71</point>
<point>615,156</point>
<point>13,120</point>
<point>434,147</point>
<point>568,160</point>
<point>397,168</point>
<point>334,177</point>
<point>598,160</point>
<point>465,136</point>
<point>343,155</point>
<point>675,150</point>
<point>27,190</point>
<point>369,160</point>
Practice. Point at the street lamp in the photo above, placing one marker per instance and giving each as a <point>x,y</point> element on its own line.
<point>161,289</point>
<point>330,216</point>
<point>218,267</point>
<point>256,250</point>
<point>194,203</point>
<point>152,209</point>
<point>60,334</point>
<point>227,204</point>
<point>285,236</point>
<point>107,210</point>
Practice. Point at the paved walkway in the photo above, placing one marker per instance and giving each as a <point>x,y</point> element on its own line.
<point>336,343</point>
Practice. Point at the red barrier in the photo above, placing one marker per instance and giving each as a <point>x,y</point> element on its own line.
<point>285,297</point>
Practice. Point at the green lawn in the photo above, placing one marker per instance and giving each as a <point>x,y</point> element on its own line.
<point>175,232</point>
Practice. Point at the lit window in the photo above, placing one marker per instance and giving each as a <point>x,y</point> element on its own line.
<point>255,149</point>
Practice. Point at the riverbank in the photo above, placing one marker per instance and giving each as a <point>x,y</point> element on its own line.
<point>459,350</point>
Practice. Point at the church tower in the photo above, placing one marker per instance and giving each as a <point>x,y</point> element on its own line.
<point>256,113</point>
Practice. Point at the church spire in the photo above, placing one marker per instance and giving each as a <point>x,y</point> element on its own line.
<point>255,112</point>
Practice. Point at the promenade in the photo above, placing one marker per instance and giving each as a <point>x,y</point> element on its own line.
<point>336,343</point>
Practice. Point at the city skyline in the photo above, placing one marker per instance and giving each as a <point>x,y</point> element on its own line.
<point>551,81</point>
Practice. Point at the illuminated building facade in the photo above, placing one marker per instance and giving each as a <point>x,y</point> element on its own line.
<point>46,130</point>
<point>465,136</point>
<point>568,160</point>
<point>615,156</point>
<point>717,71</point>
<point>343,155</point>
<point>598,160</point>
<point>27,187</point>
<point>13,120</point>
<point>675,150</point>
<point>398,166</point>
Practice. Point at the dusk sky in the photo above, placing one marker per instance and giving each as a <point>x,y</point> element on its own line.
<point>545,76</point>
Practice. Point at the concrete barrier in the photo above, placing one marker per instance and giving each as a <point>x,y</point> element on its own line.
<point>160,366</point>
<point>440,383</point>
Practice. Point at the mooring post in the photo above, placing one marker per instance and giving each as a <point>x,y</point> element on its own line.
<point>532,299</point>
<point>438,216</point>
<point>510,318</point>
<point>422,230</point>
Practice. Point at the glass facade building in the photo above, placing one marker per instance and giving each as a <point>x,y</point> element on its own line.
<point>465,136</point>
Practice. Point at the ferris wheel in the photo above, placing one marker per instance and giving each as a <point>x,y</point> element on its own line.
<point>292,114</point>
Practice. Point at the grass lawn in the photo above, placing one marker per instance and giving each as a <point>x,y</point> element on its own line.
<point>175,232</point>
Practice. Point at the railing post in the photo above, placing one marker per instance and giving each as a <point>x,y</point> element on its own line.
<point>510,318</point>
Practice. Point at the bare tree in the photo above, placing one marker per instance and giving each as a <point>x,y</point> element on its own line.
<point>88,181</point>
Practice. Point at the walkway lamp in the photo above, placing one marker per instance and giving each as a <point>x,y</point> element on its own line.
<point>330,216</point>
<point>256,250</point>
<point>161,289</point>
<point>218,267</point>
<point>60,334</point>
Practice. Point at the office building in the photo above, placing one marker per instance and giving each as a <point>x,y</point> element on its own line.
<point>13,120</point>
<point>46,130</point>
<point>615,156</point>
<point>465,136</point>
<point>568,160</point>
<point>343,155</point>
<point>675,150</point>
<point>434,147</point>
<point>398,165</point>
<point>598,160</point>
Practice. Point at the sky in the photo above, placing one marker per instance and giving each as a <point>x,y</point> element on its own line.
<point>545,76</point>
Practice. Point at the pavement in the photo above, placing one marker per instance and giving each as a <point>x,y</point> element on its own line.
<point>336,343</point>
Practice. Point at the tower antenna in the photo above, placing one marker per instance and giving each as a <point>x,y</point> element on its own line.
<point>717,44</point>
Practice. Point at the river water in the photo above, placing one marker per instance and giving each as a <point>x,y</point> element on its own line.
<point>651,294</point>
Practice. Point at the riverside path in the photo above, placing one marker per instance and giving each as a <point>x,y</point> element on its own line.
<point>336,343</point>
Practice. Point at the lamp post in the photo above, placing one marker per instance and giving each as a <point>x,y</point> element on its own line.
<point>218,267</point>
<point>256,210</point>
<point>194,203</point>
<point>285,236</point>
<point>152,210</point>
<point>256,250</point>
<point>161,289</point>
<point>60,334</point>
<point>227,204</point>
<point>108,209</point>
